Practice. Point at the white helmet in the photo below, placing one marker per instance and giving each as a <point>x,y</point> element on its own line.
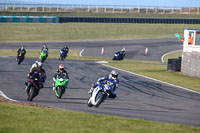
<point>123,49</point>
<point>113,74</point>
<point>39,64</point>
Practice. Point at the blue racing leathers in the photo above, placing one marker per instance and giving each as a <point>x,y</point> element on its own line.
<point>104,80</point>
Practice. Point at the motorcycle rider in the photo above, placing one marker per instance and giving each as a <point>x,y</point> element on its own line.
<point>65,49</point>
<point>33,76</point>
<point>36,67</point>
<point>22,51</point>
<point>45,48</point>
<point>112,76</point>
<point>122,51</point>
<point>61,70</point>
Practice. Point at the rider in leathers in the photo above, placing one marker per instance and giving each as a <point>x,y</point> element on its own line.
<point>113,76</point>
<point>61,70</point>
<point>45,48</point>
<point>65,49</point>
<point>36,68</point>
<point>22,51</point>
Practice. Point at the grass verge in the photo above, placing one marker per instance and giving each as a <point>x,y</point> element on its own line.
<point>35,119</point>
<point>19,32</point>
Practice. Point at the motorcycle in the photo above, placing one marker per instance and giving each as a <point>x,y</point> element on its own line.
<point>100,93</point>
<point>119,55</point>
<point>60,85</point>
<point>34,86</point>
<point>63,55</point>
<point>43,56</point>
<point>20,58</point>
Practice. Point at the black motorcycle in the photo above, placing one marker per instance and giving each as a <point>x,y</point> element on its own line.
<point>20,58</point>
<point>34,86</point>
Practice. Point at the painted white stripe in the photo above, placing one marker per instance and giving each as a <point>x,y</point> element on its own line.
<point>3,56</point>
<point>3,95</point>
<point>162,58</point>
<point>102,62</point>
<point>152,79</point>
<point>80,53</point>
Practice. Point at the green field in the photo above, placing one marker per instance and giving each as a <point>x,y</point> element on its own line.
<point>25,119</point>
<point>18,32</point>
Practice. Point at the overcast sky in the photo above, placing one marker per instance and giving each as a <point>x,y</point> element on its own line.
<point>171,3</point>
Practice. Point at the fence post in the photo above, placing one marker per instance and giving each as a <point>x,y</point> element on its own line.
<point>113,9</point>
<point>189,10</point>
<point>50,8</point>
<point>156,10</point>
<point>197,10</point>
<point>147,11</point>
<point>28,8</point>
<point>130,10</point>
<point>181,11</point>
<point>14,7</point>
<point>35,8</point>
<point>97,8</point>
<point>105,9</point>
<point>138,10</point>
<point>6,7</point>
<point>88,8</point>
<point>57,8</point>
<point>172,10</point>
<point>21,8</point>
<point>43,9</point>
<point>121,9</point>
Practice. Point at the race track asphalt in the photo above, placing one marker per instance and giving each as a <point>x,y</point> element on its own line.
<point>135,49</point>
<point>137,97</point>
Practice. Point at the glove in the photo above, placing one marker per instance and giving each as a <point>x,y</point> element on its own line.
<point>54,79</point>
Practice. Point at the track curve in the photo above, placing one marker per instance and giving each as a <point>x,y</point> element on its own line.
<point>135,49</point>
<point>138,97</point>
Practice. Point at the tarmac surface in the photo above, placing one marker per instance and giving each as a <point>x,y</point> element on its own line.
<point>137,97</point>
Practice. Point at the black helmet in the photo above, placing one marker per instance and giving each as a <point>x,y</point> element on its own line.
<point>65,46</point>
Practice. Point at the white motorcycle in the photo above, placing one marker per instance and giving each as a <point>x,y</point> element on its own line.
<point>100,93</point>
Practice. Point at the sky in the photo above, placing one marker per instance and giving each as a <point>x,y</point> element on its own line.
<point>169,3</point>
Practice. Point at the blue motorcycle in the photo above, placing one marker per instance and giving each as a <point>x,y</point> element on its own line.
<point>119,55</point>
<point>63,54</point>
<point>100,93</point>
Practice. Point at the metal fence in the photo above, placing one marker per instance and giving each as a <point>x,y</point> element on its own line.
<point>20,7</point>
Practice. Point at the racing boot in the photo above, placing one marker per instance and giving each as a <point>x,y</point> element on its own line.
<point>91,89</point>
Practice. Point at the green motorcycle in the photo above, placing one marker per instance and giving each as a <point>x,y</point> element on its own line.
<point>43,56</point>
<point>60,85</point>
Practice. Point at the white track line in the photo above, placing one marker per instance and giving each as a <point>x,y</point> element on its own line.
<point>3,95</point>
<point>80,53</point>
<point>152,79</point>
<point>162,58</point>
